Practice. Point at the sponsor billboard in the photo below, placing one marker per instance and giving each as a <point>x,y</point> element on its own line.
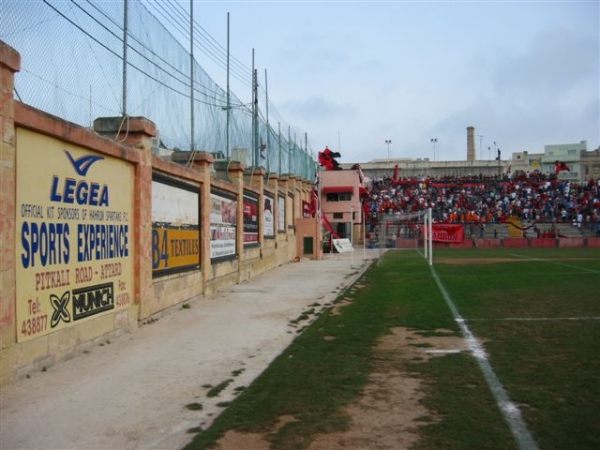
<point>223,220</point>
<point>73,232</point>
<point>268,216</point>
<point>175,226</point>
<point>281,214</point>
<point>250,219</point>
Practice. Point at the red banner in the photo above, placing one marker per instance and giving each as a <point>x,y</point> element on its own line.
<point>447,233</point>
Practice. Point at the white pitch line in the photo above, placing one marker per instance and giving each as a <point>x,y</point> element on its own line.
<point>443,352</point>
<point>509,410</point>
<point>533,319</point>
<point>570,266</point>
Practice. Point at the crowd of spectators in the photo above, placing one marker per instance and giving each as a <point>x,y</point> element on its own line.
<point>533,198</point>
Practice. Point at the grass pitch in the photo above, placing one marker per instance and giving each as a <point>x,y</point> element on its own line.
<point>536,312</point>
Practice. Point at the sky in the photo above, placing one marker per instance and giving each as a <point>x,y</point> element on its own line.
<point>353,75</point>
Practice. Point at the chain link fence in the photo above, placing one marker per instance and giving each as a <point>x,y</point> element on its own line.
<point>73,67</point>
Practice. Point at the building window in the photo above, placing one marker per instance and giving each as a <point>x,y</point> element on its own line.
<point>338,215</point>
<point>338,197</point>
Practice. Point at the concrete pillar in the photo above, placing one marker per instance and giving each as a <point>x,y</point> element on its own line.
<point>236,177</point>
<point>283,187</point>
<point>202,162</point>
<point>254,177</point>
<point>137,132</point>
<point>296,210</point>
<point>10,63</point>
<point>272,182</point>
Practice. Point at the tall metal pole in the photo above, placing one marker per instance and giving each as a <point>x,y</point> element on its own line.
<point>228,97</point>
<point>425,234</point>
<point>268,127</point>
<point>254,114</point>
<point>430,235</point>
<point>305,156</point>
<point>434,141</point>
<point>279,145</point>
<point>192,75</point>
<point>255,121</point>
<point>294,151</point>
<point>125,32</point>
<point>289,149</point>
<point>388,142</point>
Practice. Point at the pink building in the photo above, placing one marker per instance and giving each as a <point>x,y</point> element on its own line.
<point>340,192</point>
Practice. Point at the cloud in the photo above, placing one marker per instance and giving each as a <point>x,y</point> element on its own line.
<point>317,108</point>
<point>556,61</point>
<point>546,93</point>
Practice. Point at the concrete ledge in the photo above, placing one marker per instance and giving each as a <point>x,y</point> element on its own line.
<point>487,243</point>
<point>543,242</point>
<point>571,242</point>
<point>515,242</point>
<point>593,242</point>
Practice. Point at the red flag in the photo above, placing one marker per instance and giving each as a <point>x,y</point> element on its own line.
<point>327,159</point>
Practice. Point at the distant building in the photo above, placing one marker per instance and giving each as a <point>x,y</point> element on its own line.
<point>590,165</point>
<point>583,164</point>
<point>570,154</point>
<point>340,192</point>
<point>525,162</point>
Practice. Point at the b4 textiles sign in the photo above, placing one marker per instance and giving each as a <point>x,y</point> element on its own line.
<point>73,234</point>
<point>175,226</point>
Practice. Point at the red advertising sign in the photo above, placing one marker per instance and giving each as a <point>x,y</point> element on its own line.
<point>250,219</point>
<point>447,233</point>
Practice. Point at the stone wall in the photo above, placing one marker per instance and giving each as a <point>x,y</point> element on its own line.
<point>45,285</point>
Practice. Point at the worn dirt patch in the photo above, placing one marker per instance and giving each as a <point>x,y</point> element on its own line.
<point>388,413</point>
<point>335,310</point>
<point>250,441</point>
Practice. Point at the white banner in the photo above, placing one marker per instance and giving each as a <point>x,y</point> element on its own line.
<point>343,245</point>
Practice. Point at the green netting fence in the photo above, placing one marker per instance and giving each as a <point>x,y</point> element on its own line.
<point>73,55</point>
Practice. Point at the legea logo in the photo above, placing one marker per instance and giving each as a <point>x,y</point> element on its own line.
<point>80,192</point>
<point>83,164</point>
